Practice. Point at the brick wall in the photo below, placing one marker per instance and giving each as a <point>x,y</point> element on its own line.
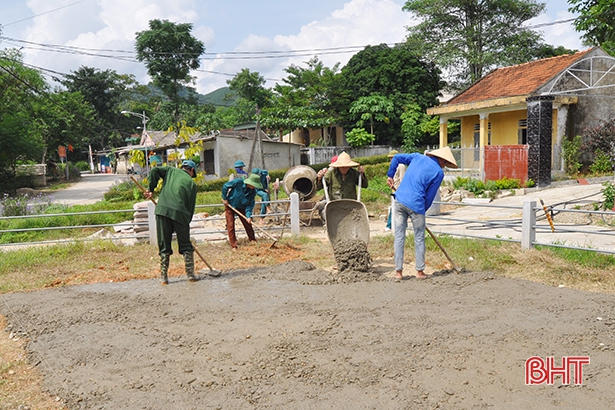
<point>508,161</point>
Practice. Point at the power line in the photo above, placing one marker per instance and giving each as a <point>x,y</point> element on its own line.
<point>227,55</point>
<point>41,14</point>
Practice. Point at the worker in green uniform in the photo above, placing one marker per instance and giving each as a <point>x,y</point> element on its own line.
<point>174,212</point>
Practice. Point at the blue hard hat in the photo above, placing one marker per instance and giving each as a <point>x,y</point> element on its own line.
<point>189,163</point>
<point>239,164</point>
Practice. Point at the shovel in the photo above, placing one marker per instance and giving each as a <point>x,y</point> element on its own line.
<point>254,225</point>
<point>455,267</point>
<point>212,272</point>
<point>346,218</point>
<point>142,189</point>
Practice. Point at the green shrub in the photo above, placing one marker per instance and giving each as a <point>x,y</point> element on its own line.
<point>82,166</point>
<point>478,187</point>
<point>572,154</point>
<point>609,195</point>
<point>602,163</point>
<point>23,205</point>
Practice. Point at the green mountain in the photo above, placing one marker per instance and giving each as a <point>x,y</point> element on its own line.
<point>217,98</point>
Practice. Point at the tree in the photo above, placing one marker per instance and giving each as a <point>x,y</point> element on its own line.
<point>170,52</point>
<point>418,128</point>
<point>372,108</point>
<point>359,137</point>
<point>310,91</point>
<point>596,21</point>
<point>309,86</point>
<point>20,87</point>
<point>64,118</point>
<point>251,87</point>
<point>396,73</point>
<point>105,91</point>
<point>467,38</point>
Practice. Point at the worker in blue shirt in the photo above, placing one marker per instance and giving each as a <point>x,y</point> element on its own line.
<point>239,169</point>
<point>239,193</point>
<point>413,197</point>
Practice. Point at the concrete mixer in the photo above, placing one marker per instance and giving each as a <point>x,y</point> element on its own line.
<point>302,180</point>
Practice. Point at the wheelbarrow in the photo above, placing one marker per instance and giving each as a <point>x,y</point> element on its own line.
<point>346,218</point>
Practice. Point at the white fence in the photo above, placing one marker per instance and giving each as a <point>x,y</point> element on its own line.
<point>530,230</point>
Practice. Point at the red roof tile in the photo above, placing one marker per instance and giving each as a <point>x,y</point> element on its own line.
<point>522,79</point>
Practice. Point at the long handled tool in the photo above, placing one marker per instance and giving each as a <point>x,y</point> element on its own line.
<point>212,272</point>
<point>548,215</point>
<point>254,225</point>
<point>142,189</point>
<point>455,267</point>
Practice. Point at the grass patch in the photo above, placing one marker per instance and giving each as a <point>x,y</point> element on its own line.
<point>585,259</point>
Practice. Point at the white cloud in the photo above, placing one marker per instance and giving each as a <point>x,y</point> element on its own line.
<point>112,24</point>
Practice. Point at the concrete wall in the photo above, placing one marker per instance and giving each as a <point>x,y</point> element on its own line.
<point>335,137</point>
<point>321,155</point>
<point>37,171</point>
<point>277,155</point>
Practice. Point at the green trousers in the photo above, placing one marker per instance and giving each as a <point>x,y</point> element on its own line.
<point>165,227</point>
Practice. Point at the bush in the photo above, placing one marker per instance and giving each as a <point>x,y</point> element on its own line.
<point>478,187</point>
<point>82,166</point>
<point>602,163</point>
<point>125,191</point>
<point>609,195</point>
<point>572,155</point>
<point>23,205</point>
<point>73,171</point>
<point>600,138</point>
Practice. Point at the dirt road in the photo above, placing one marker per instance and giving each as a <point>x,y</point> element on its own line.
<point>293,337</point>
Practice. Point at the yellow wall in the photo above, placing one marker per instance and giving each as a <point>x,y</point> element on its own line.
<point>504,128</point>
<point>467,130</point>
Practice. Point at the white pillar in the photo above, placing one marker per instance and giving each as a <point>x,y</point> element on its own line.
<point>562,119</point>
<point>528,232</point>
<point>294,213</point>
<point>151,223</point>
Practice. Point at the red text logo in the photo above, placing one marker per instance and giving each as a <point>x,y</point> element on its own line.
<point>539,371</point>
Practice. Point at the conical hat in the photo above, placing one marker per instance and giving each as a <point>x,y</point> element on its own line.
<point>343,160</point>
<point>446,154</point>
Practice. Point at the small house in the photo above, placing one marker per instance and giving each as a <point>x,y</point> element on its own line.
<point>515,119</point>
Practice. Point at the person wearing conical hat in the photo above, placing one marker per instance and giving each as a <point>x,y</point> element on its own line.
<point>413,197</point>
<point>341,179</point>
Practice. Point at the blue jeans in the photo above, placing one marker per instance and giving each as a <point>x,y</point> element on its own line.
<point>401,213</point>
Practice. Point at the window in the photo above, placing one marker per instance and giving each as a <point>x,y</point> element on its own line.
<point>209,164</point>
<point>522,132</point>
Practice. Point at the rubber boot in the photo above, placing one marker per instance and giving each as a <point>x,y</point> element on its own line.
<point>189,261</point>
<point>164,268</point>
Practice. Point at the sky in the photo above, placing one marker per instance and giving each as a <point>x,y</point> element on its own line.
<point>262,35</point>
